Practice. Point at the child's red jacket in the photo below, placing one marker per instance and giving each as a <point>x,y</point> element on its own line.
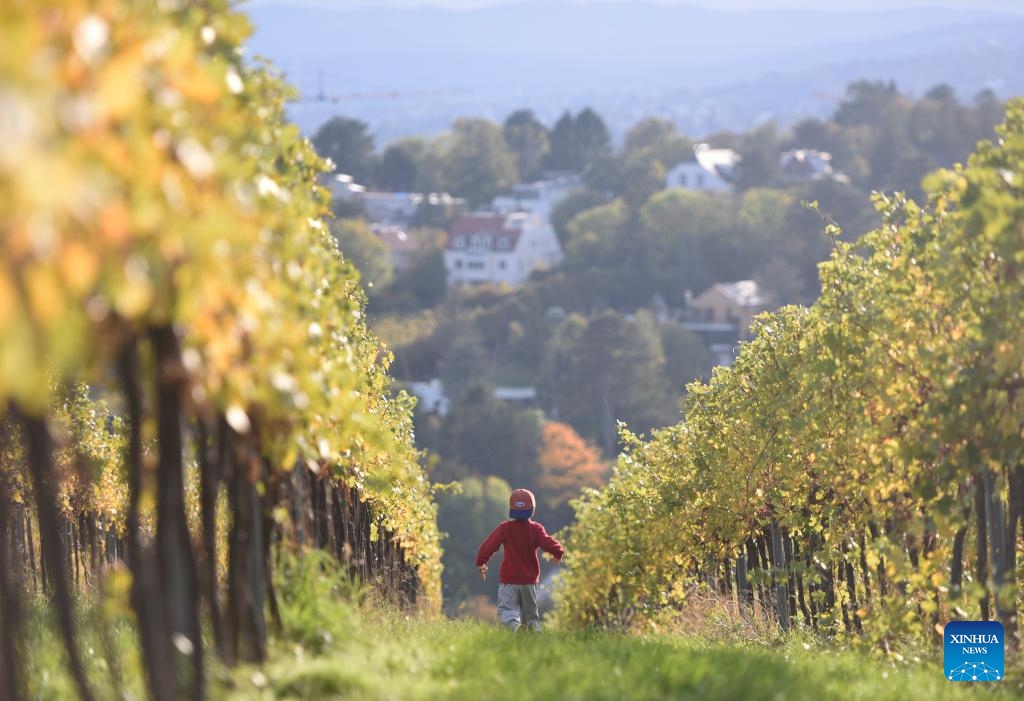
<point>521,540</point>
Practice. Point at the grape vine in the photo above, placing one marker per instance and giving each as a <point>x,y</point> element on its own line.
<point>187,380</point>
<point>859,469</point>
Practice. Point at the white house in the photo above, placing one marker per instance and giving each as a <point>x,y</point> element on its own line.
<point>496,248</point>
<point>711,170</point>
<point>431,395</point>
<point>538,197</point>
<point>801,165</point>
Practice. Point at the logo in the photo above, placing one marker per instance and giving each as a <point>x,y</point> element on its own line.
<point>520,504</point>
<point>973,651</point>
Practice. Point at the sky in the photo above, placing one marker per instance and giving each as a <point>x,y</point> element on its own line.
<point>1015,6</point>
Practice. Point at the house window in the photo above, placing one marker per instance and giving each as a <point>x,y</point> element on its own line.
<point>682,179</point>
<point>503,244</point>
<point>700,180</point>
<point>460,241</point>
<point>501,264</point>
<point>481,241</point>
<point>458,265</point>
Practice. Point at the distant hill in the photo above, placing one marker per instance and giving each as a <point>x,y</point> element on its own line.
<point>436,64</point>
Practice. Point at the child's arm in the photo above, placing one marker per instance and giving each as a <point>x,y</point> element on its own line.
<point>549,544</point>
<point>487,549</point>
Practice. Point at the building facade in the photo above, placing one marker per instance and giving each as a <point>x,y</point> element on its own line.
<point>538,197</point>
<point>500,249</point>
<point>711,170</point>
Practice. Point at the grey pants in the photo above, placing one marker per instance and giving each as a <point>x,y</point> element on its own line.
<point>517,606</point>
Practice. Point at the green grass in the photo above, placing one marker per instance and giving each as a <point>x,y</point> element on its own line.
<point>336,645</point>
<point>408,659</point>
<point>368,653</point>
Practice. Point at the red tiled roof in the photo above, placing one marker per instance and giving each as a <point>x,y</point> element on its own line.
<point>493,224</point>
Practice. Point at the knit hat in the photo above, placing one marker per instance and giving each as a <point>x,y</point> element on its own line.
<point>521,504</point>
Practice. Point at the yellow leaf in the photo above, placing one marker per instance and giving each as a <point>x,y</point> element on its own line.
<point>134,297</point>
<point>120,86</point>
<point>8,298</point>
<point>196,84</point>
<point>79,266</point>
<point>115,222</point>
<point>44,293</point>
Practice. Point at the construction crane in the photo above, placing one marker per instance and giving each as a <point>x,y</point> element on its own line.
<point>322,96</point>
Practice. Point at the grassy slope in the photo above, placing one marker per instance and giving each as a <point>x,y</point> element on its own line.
<point>405,659</point>
<point>330,650</point>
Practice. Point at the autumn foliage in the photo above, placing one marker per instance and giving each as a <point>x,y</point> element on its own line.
<point>566,465</point>
<point>858,469</point>
<point>187,380</point>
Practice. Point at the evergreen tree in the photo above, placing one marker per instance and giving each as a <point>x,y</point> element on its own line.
<point>528,140</point>
<point>348,143</point>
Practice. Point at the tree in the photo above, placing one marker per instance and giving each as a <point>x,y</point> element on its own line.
<point>633,177</point>
<point>643,177</point>
<point>399,165</point>
<point>563,154</point>
<point>424,283</point>
<point>576,141</point>
<point>432,166</point>
<point>528,140</point>
<point>801,241</point>
<point>988,112</point>
<point>814,134</point>
<point>465,517</point>
<point>687,358</point>
<point>465,361</point>
<point>782,283</point>
<point>606,173</point>
<point>614,371</point>
<point>691,240</point>
<point>348,144</point>
<point>491,437</point>
<point>592,137</point>
<point>366,251</point>
<point>866,102</point>
<point>476,162</point>
<point>567,464</point>
<point>594,236</point>
<point>885,417</point>
<point>577,201</point>
<point>652,147</point>
<point>759,158</point>
<point>648,132</point>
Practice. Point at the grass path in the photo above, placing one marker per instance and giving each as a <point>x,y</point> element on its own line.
<point>401,659</point>
<point>331,648</point>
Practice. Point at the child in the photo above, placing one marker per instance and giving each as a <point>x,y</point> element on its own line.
<point>520,570</point>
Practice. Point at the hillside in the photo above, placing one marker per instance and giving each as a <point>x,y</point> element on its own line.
<point>341,654</point>
<point>413,70</point>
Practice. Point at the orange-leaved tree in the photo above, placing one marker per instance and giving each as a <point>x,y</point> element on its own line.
<point>566,465</point>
